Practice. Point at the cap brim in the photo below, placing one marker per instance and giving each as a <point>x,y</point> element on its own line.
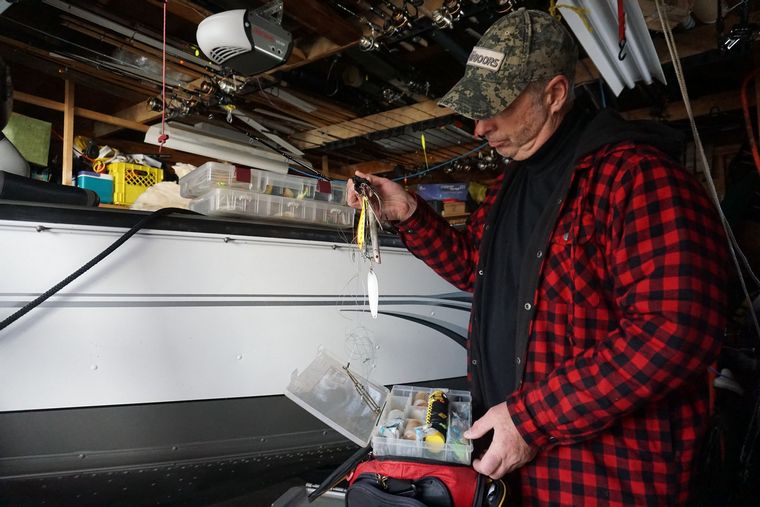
<point>478,100</point>
<point>462,100</point>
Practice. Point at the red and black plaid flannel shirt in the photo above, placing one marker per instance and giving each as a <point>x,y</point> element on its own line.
<point>629,310</point>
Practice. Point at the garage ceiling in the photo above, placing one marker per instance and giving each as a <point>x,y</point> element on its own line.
<point>344,107</point>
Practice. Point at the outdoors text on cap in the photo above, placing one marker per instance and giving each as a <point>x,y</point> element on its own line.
<point>485,58</point>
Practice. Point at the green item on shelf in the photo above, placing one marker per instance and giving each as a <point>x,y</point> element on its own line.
<point>30,136</point>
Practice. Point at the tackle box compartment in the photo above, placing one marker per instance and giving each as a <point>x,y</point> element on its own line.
<point>247,204</point>
<point>214,175</point>
<point>326,390</point>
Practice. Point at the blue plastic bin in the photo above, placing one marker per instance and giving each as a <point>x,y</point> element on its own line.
<point>101,184</point>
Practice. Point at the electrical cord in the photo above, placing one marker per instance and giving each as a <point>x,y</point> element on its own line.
<point>79,272</point>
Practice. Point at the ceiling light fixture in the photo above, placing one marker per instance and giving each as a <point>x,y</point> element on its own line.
<point>595,26</point>
<point>187,139</point>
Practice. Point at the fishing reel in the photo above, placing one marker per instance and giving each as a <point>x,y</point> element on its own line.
<point>450,11</point>
<point>505,6</point>
<point>398,20</point>
<point>230,85</point>
<point>175,107</point>
<point>391,96</point>
<point>369,42</point>
<point>740,37</point>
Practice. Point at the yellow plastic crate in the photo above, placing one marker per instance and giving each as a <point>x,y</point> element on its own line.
<point>131,180</point>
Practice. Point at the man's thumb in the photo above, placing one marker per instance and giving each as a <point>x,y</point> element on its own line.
<point>477,430</point>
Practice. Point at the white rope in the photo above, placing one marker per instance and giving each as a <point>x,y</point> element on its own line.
<point>733,246</point>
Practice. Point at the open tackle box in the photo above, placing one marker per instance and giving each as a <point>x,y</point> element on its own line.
<point>339,397</point>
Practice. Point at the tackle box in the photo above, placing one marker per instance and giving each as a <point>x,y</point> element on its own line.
<point>214,175</point>
<point>243,203</point>
<point>327,391</point>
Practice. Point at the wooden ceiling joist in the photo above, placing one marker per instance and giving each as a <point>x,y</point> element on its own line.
<point>713,104</point>
<point>316,50</point>
<point>138,113</point>
<point>323,20</point>
<point>78,111</point>
<point>189,11</point>
<point>394,118</point>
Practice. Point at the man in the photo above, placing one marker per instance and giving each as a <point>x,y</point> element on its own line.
<point>597,267</point>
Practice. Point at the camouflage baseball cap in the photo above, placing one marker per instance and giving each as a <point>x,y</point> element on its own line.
<point>522,47</point>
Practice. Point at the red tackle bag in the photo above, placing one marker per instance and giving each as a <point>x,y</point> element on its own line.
<point>405,482</point>
<point>394,481</point>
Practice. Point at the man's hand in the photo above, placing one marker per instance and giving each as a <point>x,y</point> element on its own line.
<point>508,450</point>
<point>395,202</point>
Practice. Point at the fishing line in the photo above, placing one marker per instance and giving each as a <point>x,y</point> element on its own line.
<point>163,137</point>
<point>279,151</point>
<point>442,164</point>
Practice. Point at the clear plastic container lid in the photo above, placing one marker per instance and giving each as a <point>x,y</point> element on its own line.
<point>218,175</point>
<point>326,390</point>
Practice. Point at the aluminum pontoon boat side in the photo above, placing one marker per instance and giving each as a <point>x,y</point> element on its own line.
<point>167,360</point>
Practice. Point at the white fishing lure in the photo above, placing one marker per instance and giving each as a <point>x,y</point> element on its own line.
<point>373,293</point>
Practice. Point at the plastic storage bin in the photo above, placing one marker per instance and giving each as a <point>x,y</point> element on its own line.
<point>442,191</point>
<point>326,390</point>
<point>243,203</point>
<point>215,175</point>
<point>101,184</point>
<point>131,180</point>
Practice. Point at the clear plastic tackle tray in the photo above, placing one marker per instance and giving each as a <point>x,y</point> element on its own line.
<point>326,390</point>
<point>213,175</point>
<point>243,203</point>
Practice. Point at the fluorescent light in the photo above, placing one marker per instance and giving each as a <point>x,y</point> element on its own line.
<point>185,138</point>
<point>291,99</point>
<point>4,4</point>
<point>601,42</point>
<point>245,118</point>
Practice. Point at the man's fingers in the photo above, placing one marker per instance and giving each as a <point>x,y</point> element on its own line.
<point>489,465</point>
<point>352,197</point>
<point>477,430</point>
<point>373,180</point>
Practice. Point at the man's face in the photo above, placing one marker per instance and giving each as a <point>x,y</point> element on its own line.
<point>516,132</point>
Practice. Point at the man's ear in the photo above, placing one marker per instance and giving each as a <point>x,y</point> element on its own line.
<point>557,93</point>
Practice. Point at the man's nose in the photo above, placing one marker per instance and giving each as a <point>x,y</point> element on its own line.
<point>482,128</point>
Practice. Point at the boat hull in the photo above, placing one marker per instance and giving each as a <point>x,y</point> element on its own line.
<point>175,349</point>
